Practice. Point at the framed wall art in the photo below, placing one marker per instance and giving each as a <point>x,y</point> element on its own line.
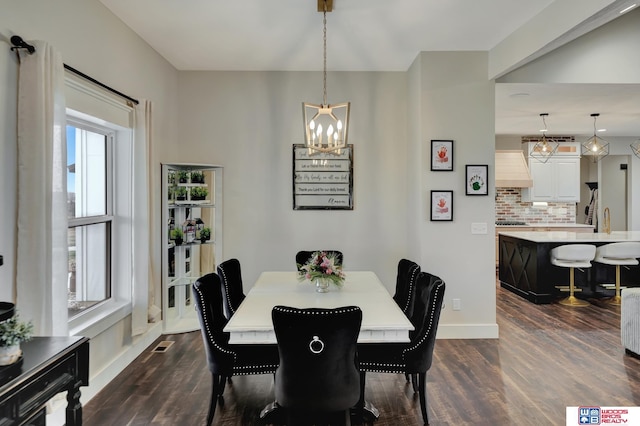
<point>476,179</point>
<point>441,205</point>
<point>441,155</point>
<point>322,181</point>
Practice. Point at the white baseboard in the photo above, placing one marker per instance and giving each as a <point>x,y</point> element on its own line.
<point>467,331</point>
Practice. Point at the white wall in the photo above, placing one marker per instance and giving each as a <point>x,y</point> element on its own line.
<point>93,41</point>
<point>248,121</point>
<point>458,103</point>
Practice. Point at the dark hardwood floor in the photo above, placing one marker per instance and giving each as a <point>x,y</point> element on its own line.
<point>548,357</point>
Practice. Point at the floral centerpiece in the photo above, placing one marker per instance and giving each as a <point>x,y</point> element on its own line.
<point>322,268</point>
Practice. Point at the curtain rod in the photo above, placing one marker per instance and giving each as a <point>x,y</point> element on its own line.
<point>19,43</point>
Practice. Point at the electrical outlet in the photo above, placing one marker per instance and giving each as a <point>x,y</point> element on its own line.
<point>456,304</point>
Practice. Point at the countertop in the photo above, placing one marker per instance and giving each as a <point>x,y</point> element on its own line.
<point>573,237</point>
<point>547,225</point>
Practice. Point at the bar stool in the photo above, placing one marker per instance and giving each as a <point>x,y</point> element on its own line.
<point>618,254</point>
<point>573,256</point>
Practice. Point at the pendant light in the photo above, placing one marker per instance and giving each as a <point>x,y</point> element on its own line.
<point>595,147</point>
<point>325,126</point>
<point>545,148</point>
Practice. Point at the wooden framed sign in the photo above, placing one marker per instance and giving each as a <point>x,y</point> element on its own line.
<point>322,181</point>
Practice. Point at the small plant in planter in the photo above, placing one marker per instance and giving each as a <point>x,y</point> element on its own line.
<point>177,236</point>
<point>183,176</point>
<point>199,193</point>
<point>181,193</point>
<point>197,177</point>
<point>205,234</point>
<point>12,333</point>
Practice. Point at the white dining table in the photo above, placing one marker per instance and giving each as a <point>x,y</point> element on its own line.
<point>382,320</point>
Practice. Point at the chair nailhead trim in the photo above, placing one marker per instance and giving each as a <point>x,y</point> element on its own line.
<point>225,282</point>
<point>433,310</point>
<point>412,280</point>
<point>377,367</point>
<point>290,310</point>
<point>207,323</point>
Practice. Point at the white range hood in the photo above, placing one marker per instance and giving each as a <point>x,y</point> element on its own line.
<point>512,170</point>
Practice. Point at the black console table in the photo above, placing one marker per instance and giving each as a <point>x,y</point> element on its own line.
<point>49,365</point>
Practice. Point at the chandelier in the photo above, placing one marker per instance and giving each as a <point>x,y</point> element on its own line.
<point>635,147</point>
<point>325,125</point>
<point>545,148</point>
<point>595,147</point>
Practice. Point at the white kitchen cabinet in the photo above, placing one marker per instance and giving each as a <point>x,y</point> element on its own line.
<point>556,180</point>
<point>186,258</point>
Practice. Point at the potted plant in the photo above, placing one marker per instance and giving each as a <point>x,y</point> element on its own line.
<point>199,193</point>
<point>181,193</point>
<point>183,176</point>
<point>205,235</point>
<point>177,235</point>
<point>197,176</point>
<point>12,333</point>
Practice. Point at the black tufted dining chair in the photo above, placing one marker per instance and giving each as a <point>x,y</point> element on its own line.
<point>223,360</point>
<point>404,296</point>
<point>318,376</point>
<point>414,358</point>
<point>304,255</point>
<point>232,291</point>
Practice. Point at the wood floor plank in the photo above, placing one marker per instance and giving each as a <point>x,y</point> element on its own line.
<point>548,357</point>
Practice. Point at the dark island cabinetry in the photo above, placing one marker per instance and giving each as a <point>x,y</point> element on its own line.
<point>525,267</point>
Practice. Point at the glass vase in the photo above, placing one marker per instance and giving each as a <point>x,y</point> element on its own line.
<point>322,286</point>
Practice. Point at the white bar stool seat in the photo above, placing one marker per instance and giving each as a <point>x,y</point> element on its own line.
<point>573,256</point>
<point>618,254</point>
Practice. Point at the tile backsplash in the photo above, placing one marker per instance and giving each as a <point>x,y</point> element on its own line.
<point>509,206</point>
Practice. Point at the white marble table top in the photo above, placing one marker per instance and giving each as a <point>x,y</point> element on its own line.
<point>382,319</point>
<point>574,237</point>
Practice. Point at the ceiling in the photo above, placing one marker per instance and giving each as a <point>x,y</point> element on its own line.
<point>371,35</point>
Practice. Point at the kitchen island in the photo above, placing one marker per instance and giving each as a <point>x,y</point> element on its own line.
<point>525,266</point>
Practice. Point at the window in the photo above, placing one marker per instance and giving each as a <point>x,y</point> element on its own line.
<point>89,210</point>
<point>100,182</point>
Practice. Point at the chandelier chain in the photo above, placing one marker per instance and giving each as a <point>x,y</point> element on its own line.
<point>324,63</point>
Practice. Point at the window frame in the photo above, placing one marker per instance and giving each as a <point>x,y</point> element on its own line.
<point>108,217</point>
<point>98,318</point>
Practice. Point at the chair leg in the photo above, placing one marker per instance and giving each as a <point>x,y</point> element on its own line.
<point>422,386</point>
<point>414,380</point>
<point>215,379</point>
<point>222,383</point>
<point>407,376</point>
<point>347,418</point>
<point>360,405</point>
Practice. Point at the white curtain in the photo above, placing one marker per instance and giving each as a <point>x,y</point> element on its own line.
<point>42,253</point>
<point>141,219</point>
